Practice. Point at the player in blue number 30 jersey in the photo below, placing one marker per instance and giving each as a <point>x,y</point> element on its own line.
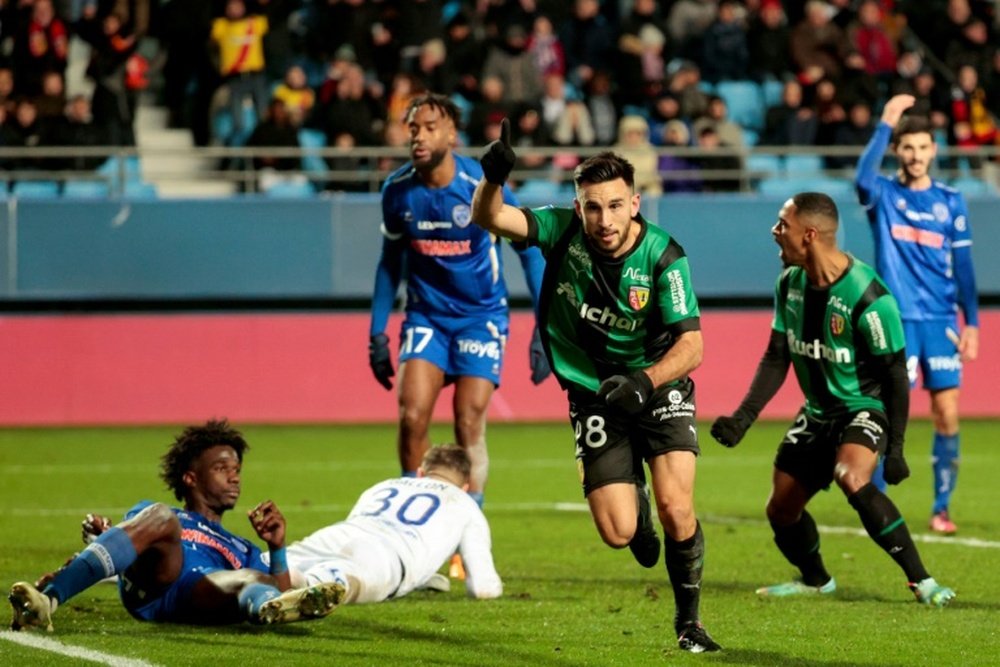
<point>923,252</point>
<point>456,309</point>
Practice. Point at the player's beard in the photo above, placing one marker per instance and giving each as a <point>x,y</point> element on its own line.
<point>433,160</point>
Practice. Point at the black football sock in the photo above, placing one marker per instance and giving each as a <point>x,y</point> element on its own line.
<point>799,543</point>
<point>886,526</point>
<point>684,562</point>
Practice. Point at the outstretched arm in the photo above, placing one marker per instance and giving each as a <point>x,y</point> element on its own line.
<point>488,208</point>
<point>866,178</point>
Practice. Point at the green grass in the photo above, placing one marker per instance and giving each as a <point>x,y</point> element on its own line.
<point>569,600</point>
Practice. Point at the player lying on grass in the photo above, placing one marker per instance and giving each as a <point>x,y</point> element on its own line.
<point>399,533</point>
<point>838,325</point>
<point>181,565</point>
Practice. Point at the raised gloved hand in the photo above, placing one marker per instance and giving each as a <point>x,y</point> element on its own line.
<point>380,360</point>
<point>498,159</point>
<point>895,469</point>
<point>627,392</point>
<point>730,430</point>
<point>536,358</point>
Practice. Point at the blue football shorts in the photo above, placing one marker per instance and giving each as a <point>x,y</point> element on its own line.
<point>932,347</point>
<point>459,346</point>
<point>173,605</point>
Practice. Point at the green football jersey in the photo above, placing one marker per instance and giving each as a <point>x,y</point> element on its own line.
<point>602,316</point>
<point>834,334</point>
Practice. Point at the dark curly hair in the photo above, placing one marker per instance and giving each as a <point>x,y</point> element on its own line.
<point>190,444</point>
<point>442,103</point>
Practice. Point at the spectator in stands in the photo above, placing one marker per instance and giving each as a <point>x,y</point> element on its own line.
<point>855,131</point>
<point>9,138</point>
<point>554,100</point>
<point>7,100</point>
<point>353,109</point>
<point>684,78</point>
<point>52,102</point>
<point>295,93</point>
<point>664,109</point>
<point>574,127</point>
<point>717,116</point>
<point>491,107</point>
<point>110,48</point>
<point>642,47</point>
<point>790,123</point>
<point>970,47</point>
<point>817,45</point>
<point>279,48</point>
<point>829,111</point>
<point>182,24</point>
<point>856,84</point>
<point>687,22</point>
<point>589,42</point>
<point>545,48</point>
<point>633,144</point>
<point>717,158</point>
<point>239,38</point>
<point>676,134</point>
<point>511,62</point>
<point>991,82</point>
<point>767,43</point>
<point>529,132</point>
<point>932,100</point>
<point>870,39</point>
<point>275,130</point>
<point>465,55</point>
<point>26,132</point>
<point>420,22</point>
<point>41,44</point>
<point>77,128</point>
<point>602,107</point>
<point>725,54</point>
<point>972,124</point>
<point>432,67</point>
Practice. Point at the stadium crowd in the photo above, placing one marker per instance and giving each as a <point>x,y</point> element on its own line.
<point>636,75</point>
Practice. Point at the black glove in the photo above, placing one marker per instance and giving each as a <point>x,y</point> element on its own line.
<point>499,157</point>
<point>627,392</point>
<point>730,430</point>
<point>536,358</point>
<point>379,359</point>
<point>894,468</point>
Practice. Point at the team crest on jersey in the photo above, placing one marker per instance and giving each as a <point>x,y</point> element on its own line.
<point>462,215</point>
<point>940,212</point>
<point>638,297</point>
<point>837,323</point>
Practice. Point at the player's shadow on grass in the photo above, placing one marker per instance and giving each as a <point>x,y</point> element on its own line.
<point>737,656</point>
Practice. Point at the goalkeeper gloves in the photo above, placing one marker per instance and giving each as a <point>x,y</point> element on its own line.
<point>627,392</point>
<point>498,160</point>
<point>895,469</point>
<point>379,359</point>
<point>536,357</point>
<point>730,430</point>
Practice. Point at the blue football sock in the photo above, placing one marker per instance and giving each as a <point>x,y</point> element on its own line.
<point>110,554</point>
<point>252,596</point>
<point>878,475</point>
<point>945,460</point>
<point>478,496</point>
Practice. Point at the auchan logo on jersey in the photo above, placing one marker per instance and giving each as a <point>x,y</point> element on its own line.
<point>606,318</point>
<point>815,349</point>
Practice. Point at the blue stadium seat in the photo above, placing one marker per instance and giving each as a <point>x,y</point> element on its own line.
<point>291,189</point>
<point>86,189</point>
<point>772,91</point>
<point>140,190</point>
<point>764,164</point>
<point>970,186</point>
<point>788,186</point>
<point>311,161</point>
<point>803,165</point>
<point>224,129</point>
<point>36,189</point>
<point>744,101</point>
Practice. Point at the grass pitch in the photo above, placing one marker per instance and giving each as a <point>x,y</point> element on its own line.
<point>569,600</point>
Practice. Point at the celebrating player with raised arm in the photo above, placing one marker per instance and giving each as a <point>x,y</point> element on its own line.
<point>837,324</point>
<point>456,309</point>
<point>923,250</point>
<point>620,325</point>
<point>181,565</point>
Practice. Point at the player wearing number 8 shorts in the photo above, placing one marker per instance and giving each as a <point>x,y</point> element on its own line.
<point>620,325</point>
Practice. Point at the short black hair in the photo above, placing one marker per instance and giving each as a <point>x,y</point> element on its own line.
<point>190,444</point>
<point>604,167</point>
<point>912,125</point>
<point>812,204</point>
<point>442,103</point>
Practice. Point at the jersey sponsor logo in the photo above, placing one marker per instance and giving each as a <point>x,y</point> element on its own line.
<point>431,225</point>
<point>440,248</point>
<point>815,349</point>
<point>566,289</point>
<point>952,363</point>
<point>678,298</point>
<point>633,273</point>
<point>794,294</point>
<point>197,537</point>
<point>579,253</point>
<point>478,348</point>
<point>877,330</point>
<point>923,237</point>
<point>837,324</point>
<point>940,212</point>
<point>606,318</point>
<point>462,215</point>
<point>638,297</point>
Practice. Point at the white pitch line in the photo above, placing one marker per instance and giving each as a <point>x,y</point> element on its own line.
<point>338,510</point>
<point>36,641</point>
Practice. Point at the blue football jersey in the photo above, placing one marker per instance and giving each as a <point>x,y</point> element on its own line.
<point>210,546</point>
<point>453,265</point>
<point>915,233</point>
